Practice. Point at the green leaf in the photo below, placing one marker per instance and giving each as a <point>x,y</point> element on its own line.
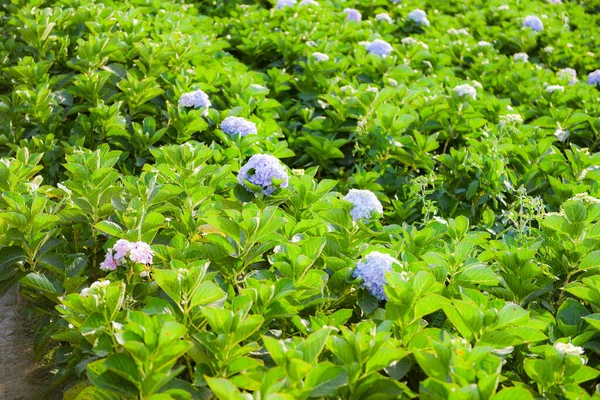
<point>510,315</point>
<point>110,228</point>
<point>10,255</point>
<point>223,389</point>
<point>40,282</point>
<point>513,393</point>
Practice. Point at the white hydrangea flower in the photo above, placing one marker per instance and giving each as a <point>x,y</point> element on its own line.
<point>352,14</point>
<point>477,84</point>
<point>594,77</point>
<point>372,269</point>
<point>365,203</point>
<point>533,22</point>
<point>320,57</point>
<point>384,17</point>
<point>462,31</point>
<point>419,17</point>
<point>483,43</point>
<point>554,88</point>
<point>409,40</point>
<point>548,49</point>
<point>379,47</point>
<point>521,57</point>
<point>281,4</point>
<point>94,286</point>
<point>309,3</point>
<point>511,119</point>
<point>466,90</point>
<point>195,99</point>
<point>238,126</point>
<point>562,135</point>
<point>568,349</point>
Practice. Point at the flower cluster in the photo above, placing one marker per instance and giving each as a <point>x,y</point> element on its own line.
<point>562,135</point>
<point>195,99</point>
<point>372,269</point>
<point>534,23</point>
<point>137,252</point>
<point>352,14</point>
<point>384,17</point>
<point>95,286</point>
<point>238,126</point>
<point>511,119</point>
<point>261,170</point>
<point>554,88</point>
<point>320,57</point>
<point>309,3</point>
<point>594,77</point>
<point>466,90</point>
<point>281,4</point>
<point>568,349</point>
<point>379,47</point>
<point>521,57</point>
<point>365,203</point>
<point>483,43</point>
<point>419,17</point>
<point>568,74</point>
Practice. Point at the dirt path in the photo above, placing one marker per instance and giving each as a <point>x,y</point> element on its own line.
<point>16,355</point>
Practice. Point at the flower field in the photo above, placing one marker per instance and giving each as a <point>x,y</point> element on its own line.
<point>300,199</point>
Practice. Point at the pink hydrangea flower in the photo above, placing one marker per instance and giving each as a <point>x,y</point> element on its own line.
<point>141,253</point>
<point>122,249</point>
<point>109,262</point>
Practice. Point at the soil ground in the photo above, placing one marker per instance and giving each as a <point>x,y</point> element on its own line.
<point>20,378</point>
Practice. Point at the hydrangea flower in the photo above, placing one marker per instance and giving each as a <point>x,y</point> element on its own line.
<point>521,57</point>
<point>195,99</point>
<point>372,269</point>
<point>365,203</point>
<point>94,286</point>
<point>554,88</point>
<point>419,17</point>
<point>594,77</point>
<point>568,349</point>
<point>511,119</point>
<point>466,90</point>
<point>309,3</point>
<point>138,252</point>
<point>384,17</point>
<point>261,170</point>
<point>320,57</point>
<point>548,49</point>
<point>562,135</point>
<point>379,47</point>
<point>238,126</point>
<point>352,14</point>
<point>533,22</point>
<point>461,31</point>
<point>281,4</point>
<point>483,43</point>
<point>555,1</point>
<point>568,74</point>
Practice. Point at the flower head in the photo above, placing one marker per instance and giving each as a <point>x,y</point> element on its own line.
<point>466,90</point>
<point>309,3</point>
<point>594,77</point>
<point>109,262</point>
<point>195,99</point>
<point>483,43</point>
<point>320,57</point>
<point>365,203</point>
<point>569,349</point>
<point>94,287</point>
<point>141,253</point>
<point>352,14</point>
<point>511,119</point>
<point>261,170</point>
<point>379,47</point>
<point>554,88</point>
<point>555,1</point>
<point>122,248</point>
<point>562,135</point>
<point>384,17</point>
<point>281,4</point>
<point>521,57</point>
<point>568,74</point>
<point>238,126</point>
<point>419,17</point>
<point>372,269</point>
<point>534,23</point>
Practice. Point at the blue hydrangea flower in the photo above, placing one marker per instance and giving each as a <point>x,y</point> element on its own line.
<point>384,17</point>
<point>534,23</point>
<point>281,4</point>
<point>365,203</point>
<point>372,269</point>
<point>521,57</point>
<point>419,17</point>
<point>594,77</point>
<point>195,99</point>
<point>352,14</point>
<point>568,74</point>
<point>260,170</point>
<point>379,47</point>
<point>238,126</point>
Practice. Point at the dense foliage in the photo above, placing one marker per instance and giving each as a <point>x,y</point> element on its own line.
<point>343,199</point>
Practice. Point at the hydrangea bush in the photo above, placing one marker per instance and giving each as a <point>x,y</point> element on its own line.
<point>394,200</point>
